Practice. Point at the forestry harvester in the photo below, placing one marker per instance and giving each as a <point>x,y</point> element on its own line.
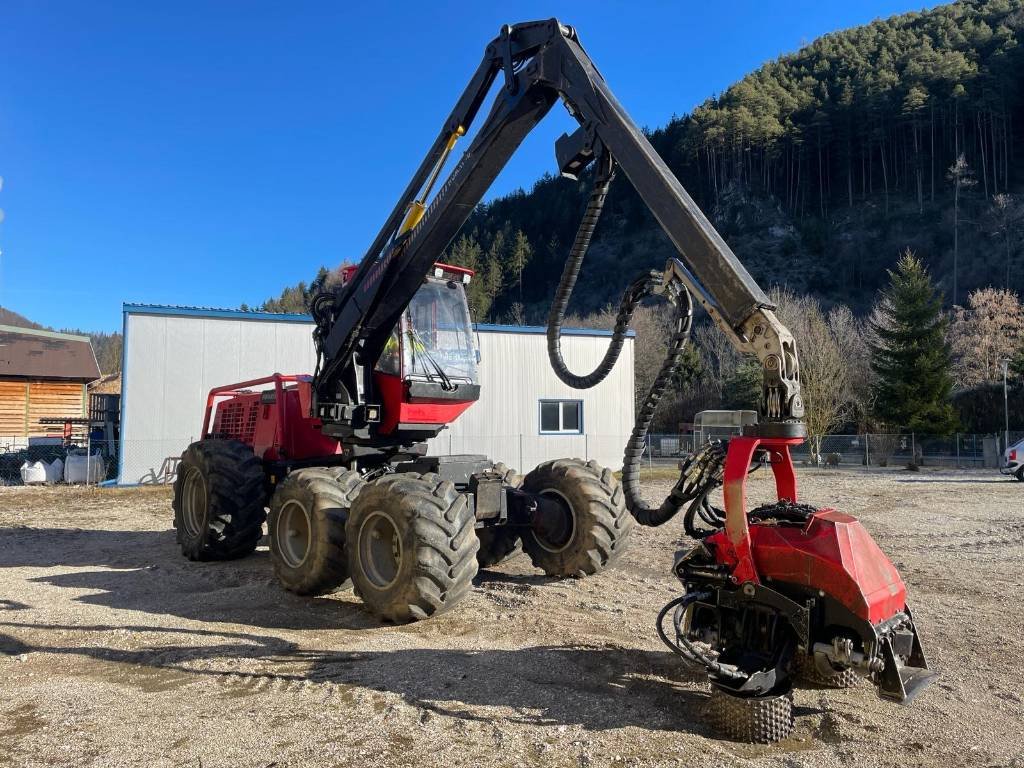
<point>339,457</point>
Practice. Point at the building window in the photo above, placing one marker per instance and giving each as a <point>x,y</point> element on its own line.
<point>561,417</point>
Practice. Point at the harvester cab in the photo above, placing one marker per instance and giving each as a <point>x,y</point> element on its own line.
<point>426,375</point>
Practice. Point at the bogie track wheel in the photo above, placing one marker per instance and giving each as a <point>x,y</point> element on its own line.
<point>219,500</point>
<point>587,526</point>
<point>820,672</point>
<point>411,546</point>
<point>751,719</point>
<point>308,512</point>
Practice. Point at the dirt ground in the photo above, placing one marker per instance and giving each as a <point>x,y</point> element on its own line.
<point>114,650</point>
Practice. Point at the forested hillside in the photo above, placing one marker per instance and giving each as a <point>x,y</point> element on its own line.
<point>818,168</point>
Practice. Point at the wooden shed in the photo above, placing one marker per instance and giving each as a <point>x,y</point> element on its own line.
<point>42,374</point>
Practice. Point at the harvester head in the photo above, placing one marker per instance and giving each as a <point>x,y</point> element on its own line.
<point>784,589</point>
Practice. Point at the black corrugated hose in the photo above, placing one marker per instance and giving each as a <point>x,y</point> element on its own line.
<point>644,286</point>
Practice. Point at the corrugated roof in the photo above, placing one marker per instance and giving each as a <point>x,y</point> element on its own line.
<point>291,317</point>
<point>32,354</point>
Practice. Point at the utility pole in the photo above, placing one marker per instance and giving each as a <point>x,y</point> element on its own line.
<point>1006,407</point>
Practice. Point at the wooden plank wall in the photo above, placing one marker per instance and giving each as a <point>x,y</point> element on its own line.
<point>13,396</point>
<point>45,398</point>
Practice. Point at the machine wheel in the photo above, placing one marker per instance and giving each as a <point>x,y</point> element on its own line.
<point>411,546</point>
<point>219,500</point>
<point>754,720</point>
<point>595,527</point>
<point>496,545</point>
<point>499,543</point>
<point>820,672</point>
<point>1019,474</point>
<point>307,529</point>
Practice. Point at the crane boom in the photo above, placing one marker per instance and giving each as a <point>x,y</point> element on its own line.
<point>542,62</point>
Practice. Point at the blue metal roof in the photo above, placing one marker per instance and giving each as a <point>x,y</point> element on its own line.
<point>293,317</point>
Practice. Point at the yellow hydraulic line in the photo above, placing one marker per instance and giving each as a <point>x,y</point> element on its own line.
<point>418,207</point>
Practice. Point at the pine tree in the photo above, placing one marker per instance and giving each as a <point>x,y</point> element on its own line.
<point>910,356</point>
<point>522,252</point>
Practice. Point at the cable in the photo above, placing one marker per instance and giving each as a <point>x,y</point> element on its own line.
<point>688,652</point>
<point>641,288</point>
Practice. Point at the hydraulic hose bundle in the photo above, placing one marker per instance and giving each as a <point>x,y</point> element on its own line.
<point>688,488</point>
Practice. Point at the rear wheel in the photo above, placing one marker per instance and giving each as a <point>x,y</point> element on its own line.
<point>588,526</point>
<point>307,529</point>
<point>1019,474</point>
<point>219,500</point>
<point>411,546</point>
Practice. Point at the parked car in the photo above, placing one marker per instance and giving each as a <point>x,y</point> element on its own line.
<point>1013,460</point>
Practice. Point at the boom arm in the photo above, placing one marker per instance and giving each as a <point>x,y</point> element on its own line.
<point>542,63</point>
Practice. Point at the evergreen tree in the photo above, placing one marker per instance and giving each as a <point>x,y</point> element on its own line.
<point>910,356</point>
<point>522,252</point>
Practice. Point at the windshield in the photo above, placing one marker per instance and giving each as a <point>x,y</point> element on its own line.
<point>438,335</point>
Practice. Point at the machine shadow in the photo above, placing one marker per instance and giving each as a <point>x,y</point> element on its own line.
<point>144,571</point>
<point>597,687</point>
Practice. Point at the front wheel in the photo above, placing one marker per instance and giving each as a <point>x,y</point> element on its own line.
<point>307,529</point>
<point>586,528</point>
<point>411,546</point>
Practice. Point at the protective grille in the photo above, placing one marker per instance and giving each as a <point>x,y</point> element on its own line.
<point>237,419</point>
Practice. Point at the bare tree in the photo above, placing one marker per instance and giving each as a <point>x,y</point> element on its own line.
<point>824,367</point>
<point>962,177</point>
<point>983,334</point>
<point>719,356</point>
<point>850,334</point>
<point>1003,222</point>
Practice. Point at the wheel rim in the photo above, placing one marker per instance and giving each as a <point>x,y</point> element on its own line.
<point>380,550</point>
<point>557,532</point>
<point>292,533</point>
<point>193,502</point>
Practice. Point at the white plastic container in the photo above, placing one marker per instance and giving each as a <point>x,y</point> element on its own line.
<point>33,473</point>
<point>80,468</point>
<point>55,471</point>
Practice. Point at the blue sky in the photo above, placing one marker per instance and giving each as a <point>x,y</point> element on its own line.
<point>211,153</point>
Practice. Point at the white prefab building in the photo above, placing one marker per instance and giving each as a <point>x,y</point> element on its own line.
<point>173,356</point>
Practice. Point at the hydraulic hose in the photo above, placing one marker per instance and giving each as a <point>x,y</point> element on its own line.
<point>646,285</point>
<point>630,299</point>
<point>684,648</point>
<point>680,493</point>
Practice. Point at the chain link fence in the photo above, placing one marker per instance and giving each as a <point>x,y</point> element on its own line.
<point>961,450</point>
<point>53,460</point>
<point>145,462</point>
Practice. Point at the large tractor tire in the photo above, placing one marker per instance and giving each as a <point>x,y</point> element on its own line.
<point>308,512</point>
<point>219,500</point>
<point>499,543</point>
<point>411,546</point>
<point>595,525</point>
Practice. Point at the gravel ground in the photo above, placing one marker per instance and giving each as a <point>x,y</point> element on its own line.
<point>114,650</point>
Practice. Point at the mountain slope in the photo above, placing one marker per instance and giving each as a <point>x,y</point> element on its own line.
<point>818,168</point>
<point>10,317</point>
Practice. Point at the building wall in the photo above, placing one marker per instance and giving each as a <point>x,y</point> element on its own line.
<point>172,360</point>
<point>24,403</point>
<point>515,376</point>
